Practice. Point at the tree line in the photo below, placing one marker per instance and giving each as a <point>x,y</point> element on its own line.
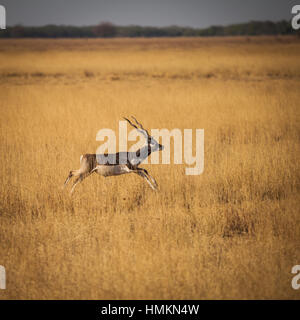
<point>109,30</point>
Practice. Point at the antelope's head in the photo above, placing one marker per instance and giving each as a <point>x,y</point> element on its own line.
<point>152,144</point>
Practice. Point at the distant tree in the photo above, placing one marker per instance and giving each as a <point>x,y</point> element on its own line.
<point>105,30</point>
<point>17,31</point>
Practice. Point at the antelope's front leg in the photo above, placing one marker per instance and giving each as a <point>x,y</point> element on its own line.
<point>149,176</point>
<point>141,173</point>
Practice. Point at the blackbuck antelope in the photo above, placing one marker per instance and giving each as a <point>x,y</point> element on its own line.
<point>118,163</point>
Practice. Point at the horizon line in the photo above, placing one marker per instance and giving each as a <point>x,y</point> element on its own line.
<point>144,26</point>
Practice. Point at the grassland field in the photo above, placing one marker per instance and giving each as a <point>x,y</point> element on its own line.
<point>230,233</point>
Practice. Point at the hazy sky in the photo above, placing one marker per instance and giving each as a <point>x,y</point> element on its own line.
<point>195,13</point>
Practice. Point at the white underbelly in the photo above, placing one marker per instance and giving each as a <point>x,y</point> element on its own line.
<point>105,170</point>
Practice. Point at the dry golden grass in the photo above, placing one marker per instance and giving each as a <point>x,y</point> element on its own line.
<point>232,232</point>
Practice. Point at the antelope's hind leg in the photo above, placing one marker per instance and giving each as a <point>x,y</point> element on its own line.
<point>74,173</point>
<point>68,178</point>
<point>81,177</point>
<point>78,180</point>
